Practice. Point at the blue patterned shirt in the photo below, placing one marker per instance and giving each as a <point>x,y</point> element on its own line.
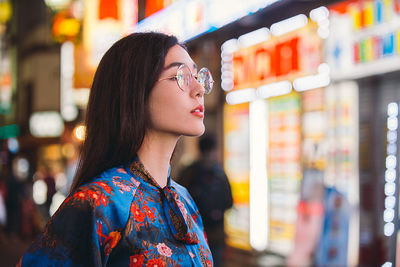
<point>123,218</point>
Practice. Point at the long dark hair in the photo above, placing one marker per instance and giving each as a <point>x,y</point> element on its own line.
<point>117,118</point>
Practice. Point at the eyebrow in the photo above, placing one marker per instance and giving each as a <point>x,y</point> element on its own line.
<point>177,64</point>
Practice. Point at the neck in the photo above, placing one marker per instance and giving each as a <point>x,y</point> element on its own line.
<point>155,154</point>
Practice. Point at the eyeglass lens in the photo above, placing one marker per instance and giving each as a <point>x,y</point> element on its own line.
<point>205,79</point>
<point>184,78</point>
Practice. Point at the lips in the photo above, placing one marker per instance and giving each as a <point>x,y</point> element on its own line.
<point>198,111</point>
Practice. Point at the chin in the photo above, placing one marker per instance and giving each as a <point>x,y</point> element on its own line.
<point>195,131</point>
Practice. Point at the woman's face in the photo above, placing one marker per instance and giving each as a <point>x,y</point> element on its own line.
<point>173,110</point>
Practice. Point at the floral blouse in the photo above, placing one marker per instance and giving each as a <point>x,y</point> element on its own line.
<point>123,218</point>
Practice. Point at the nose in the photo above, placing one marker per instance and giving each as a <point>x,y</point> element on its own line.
<point>197,89</point>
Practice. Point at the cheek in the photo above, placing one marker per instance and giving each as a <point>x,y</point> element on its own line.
<point>171,113</point>
<point>163,108</point>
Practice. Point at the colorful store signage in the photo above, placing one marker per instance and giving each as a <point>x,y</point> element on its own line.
<point>364,32</point>
<point>285,57</point>
<point>279,58</point>
<point>109,9</point>
<point>376,47</point>
<point>237,167</point>
<point>6,90</point>
<point>101,28</point>
<point>284,170</point>
<point>366,14</point>
<point>156,5</point>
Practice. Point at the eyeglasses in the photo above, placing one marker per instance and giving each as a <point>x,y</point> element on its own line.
<point>184,78</point>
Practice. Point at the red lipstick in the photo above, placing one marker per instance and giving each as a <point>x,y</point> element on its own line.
<point>198,111</point>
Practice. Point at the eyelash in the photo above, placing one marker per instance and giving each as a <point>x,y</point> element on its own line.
<point>174,78</point>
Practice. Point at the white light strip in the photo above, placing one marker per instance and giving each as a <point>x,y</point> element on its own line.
<point>324,68</point>
<point>289,25</point>
<point>254,37</point>
<point>311,82</point>
<point>349,90</point>
<point>258,124</point>
<point>230,46</point>
<point>241,96</point>
<point>390,173</point>
<point>227,50</point>
<point>274,89</point>
<point>69,111</point>
<point>319,14</point>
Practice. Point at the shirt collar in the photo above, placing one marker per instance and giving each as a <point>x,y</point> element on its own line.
<point>171,203</point>
<point>137,168</point>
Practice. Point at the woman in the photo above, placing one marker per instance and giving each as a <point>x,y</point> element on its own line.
<point>124,209</point>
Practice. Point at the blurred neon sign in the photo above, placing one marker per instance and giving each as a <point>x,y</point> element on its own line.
<point>278,58</point>
<point>190,18</point>
<point>46,124</point>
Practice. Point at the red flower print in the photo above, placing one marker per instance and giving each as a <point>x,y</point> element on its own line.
<point>195,217</point>
<point>137,213</point>
<point>111,241</point>
<point>122,187</point>
<point>135,182</point>
<point>103,200</point>
<point>97,197</point>
<point>121,170</point>
<point>80,195</point>
<point>164,250</point>
<point>149,213</point>
<point>136,260</point>
<point>105,186</point>
<point>181,207</point>
<point>115,236</point>
<point>155,263</point>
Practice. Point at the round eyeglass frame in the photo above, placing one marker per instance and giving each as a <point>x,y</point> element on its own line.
<point>201,78</point>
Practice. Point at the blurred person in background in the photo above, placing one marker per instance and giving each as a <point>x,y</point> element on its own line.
<point>209,186</point>
<point>3,196</point>
<point>71,167</point>
<point>124,209</point>
<point>13,200</point>
<point>3,211</point>
<point>48,178</point>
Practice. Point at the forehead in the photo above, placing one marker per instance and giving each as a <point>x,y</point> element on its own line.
<point>178,54</point>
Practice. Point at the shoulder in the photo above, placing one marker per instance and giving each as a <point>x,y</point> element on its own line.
<point>118,176</point>
<point>91,216</point>
<point>108,195</point>
<point>181,190</point>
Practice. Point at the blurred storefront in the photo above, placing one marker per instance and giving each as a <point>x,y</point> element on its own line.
<point>365,51</point>
<point>49,51</point>
<point>315,108</point>
<point>302,143</point>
